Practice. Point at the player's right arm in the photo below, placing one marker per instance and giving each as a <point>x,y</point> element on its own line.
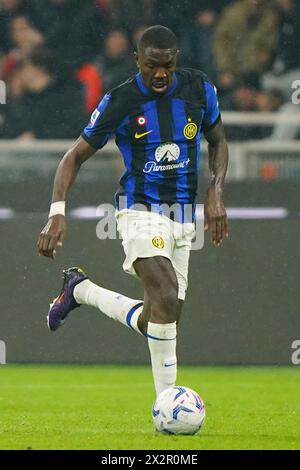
<point>104,121</point>
<point>53,233</point>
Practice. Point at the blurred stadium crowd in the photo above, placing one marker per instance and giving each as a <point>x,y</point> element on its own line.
<point>58,57</point>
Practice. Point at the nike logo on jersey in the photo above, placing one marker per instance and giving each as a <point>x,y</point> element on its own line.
<point>138,136</point>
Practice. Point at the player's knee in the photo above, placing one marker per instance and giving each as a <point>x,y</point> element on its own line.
<point>164,305</point>
<point>143,325</point>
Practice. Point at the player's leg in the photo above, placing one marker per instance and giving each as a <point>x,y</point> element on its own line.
<point>113,304</point>
<point>79,290</point>
<point>158,320</point>
<point>144,316</point>
<point>165,284</point>
<point>130,312</point>
<point>179,310</point>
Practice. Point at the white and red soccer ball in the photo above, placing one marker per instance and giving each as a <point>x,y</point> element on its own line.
<point>178,410</point>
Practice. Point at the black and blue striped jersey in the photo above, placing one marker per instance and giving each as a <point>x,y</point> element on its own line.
<point>158,135</point>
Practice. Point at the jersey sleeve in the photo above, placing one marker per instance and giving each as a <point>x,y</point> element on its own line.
<point>102,124</point>
<point>212,113</point>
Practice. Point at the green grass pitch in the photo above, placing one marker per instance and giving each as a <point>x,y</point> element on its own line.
<point>109,407</point>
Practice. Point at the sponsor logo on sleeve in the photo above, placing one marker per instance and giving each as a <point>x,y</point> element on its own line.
<point>94,117</point>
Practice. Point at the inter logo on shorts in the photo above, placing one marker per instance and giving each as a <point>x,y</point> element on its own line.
<point>190,130</point>
<point>158,242</point>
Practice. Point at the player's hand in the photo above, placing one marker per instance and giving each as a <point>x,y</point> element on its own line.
<point>215,217</point>
<point>52,236</point>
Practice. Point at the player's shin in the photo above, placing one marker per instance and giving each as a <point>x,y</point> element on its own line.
<point>162,346</point>
<point>114,305</point>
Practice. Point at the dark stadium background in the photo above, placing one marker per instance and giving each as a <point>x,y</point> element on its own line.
<point>243,301</point>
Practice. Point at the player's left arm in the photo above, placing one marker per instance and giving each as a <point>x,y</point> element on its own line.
<point>214,209</point>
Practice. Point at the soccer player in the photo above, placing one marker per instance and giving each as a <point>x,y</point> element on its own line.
<point>158,117</point>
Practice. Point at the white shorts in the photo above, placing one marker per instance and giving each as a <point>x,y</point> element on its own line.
<point>148,234</point>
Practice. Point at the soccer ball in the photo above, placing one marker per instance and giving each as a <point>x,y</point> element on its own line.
<point>178,410</point>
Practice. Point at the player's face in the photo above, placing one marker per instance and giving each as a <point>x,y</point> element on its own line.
<point>157,67</point>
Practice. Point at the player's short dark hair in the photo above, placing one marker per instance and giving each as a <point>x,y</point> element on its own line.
<point>158,37</point>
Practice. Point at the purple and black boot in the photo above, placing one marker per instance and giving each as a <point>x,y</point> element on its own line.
<point>65,302</point>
